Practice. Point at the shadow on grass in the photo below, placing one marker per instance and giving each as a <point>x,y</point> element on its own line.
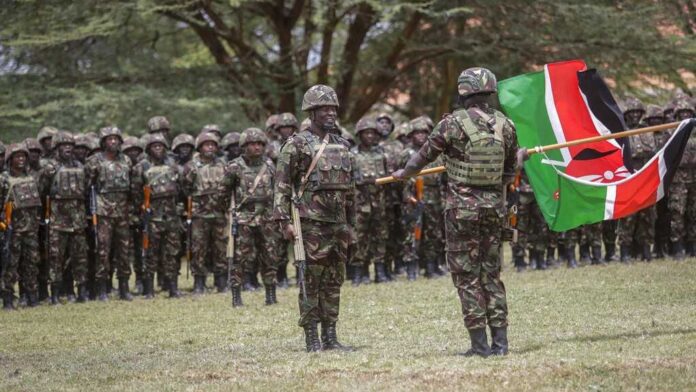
<point>601,338</point>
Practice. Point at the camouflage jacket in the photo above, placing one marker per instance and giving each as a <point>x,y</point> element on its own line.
<point>370,164</point>
<point>111,178</point>
<point>66,183</point>
<point>208,185</point>
<point>26,200</point>
<point>393,149</point>
<point>325,205</point>
<point>254,208</point>
<point>433,185</point>
<point>163,178</point>
<point>460,195</point>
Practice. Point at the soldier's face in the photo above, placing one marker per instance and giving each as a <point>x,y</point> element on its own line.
<point>233,150</point>
<point>184,151</point>
<point>65,152</point>
<point>46,143</point>
<point>133,154</point>
<point>368,137</point>
<point>112,143</point>
<point>683,115</point>
<point>209,149</point>
<point>80,153</point>
<point>418,138</point>
<point>34,156</point>
<point>18,162</point>
<point>325,118</point>
<point>254,149</point>
<point>285,132</point>
<point>385,126</point>
<point>633,117</point>
<point>654,121</point>
<point>157,150</point>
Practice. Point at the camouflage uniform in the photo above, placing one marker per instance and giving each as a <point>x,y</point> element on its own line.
<point>682,192</point>
<point>532,229</point>
<point>326,209</point>
<point>23,192</point>
<point>35,163</point>
<point>65,183</point>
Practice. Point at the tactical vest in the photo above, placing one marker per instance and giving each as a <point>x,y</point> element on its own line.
<point>484,149</point>
<point>23,192</point>
<point>370,166</point>
<point>264,189</point>
<point>643,145</point>
<point>114,176</point>
<point>162,180</point>
<point>333,170</point>
<point>208,179</point>
<point>68,183</point>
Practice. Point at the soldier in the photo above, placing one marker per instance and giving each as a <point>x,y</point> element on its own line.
<point>44,137</point>
<point>371,229</point>
<point>159,124</point>
<point>212,128</point>
<point>108,173</point>
<point>532,229</point>
<point>20,189</point>
<point>182,147</point>
<point>479,143</point>
<point>316,167</point>
<point>682,192</point>
<point>203,181</point>
<point>251,177</point>
<point>81,148</point>
<point>230,146</point>
<point>273,146</point>
<point>591,244</point>
<point>34,166</point>
<point>159,174</point>
<point>64,182</point>
<point>132,148</point>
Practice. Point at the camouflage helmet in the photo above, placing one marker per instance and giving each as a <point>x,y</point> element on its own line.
<point>653,111</point>
<point>157,123</point>
<point>683,105</point>
<point>15,148</point>
<point>633,104</point>
<point>428,121</point>
<point>404,129</point>
<point>181,139</point>
<point>272,122</point>
<point>317,96</point>
<point>364,124</point>
<point>418,124</point>
<point>131,142</point>
<point>252,135</point>
<point>32,144</point>
<point>384,115</point>
<point>476,80</point>
<point>62,137</point>
<point>153,138</point>
<point>45,132</point>
<point>286,120</point>
<point>82,140</point>
<point>214,128</point>
<point>206,137</point>
<point>110,131</point>
<point>229,139</point>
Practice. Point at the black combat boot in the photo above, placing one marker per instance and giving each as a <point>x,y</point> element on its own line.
<point>174,288</point>
<point>691,249</point>
<point>532,260</point>
<point>365,274</point>
<point>329,340</point>
<point>123,292</point>
<point>678,251</point>
<point>8,301</point>
<point>562,254</point>
<point>550,257</point>
<point>139,286</point>
<point>499,342</point>
<point>610,254</point>
<point>103,290</point>
<point>237,297</point>
<point>283,277</point>
<point>248,284</point>
<point>148,287</point>
<point>55,292</point>
<point>570,256</point>
<point>380,275</point>
<point>356,275</point>
<point>221,283</point>
<point>430,269</point>
<point>412,270</point>
<point>659,250</point>
<point>271,294</point>
<point>584,254</point>
<point>541,262</point>
<point>625,251</point>
<point>32,299</point>
<point>597,255</point>
<point>479,344</point>
<point>647,255</point>
<point>520,265</point>
<point>198,284</point>
<point>81,293</point>
<point>68,288</point>
<point>312,337</point>
<point>43,290</point>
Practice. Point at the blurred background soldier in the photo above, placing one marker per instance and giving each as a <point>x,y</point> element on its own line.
<point>273,146</point>
<point>36,151</point>
<point>45,137</point>
<point>183,147</point>
<point>682,192</point>
<point>133,149</point>
<point>159,124</point>
<point>230,146</point>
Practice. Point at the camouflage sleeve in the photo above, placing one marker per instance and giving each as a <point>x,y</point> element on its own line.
<point>229,183</point>
<point>436,142</point>
<point>137,183</point>
<point>45,179</point>
<point>282,192</point>
<point>91,171</point>
<point>188,178</point>
<point>510,163</point>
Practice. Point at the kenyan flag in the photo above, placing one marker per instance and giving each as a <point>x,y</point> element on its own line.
<point>590,182</point>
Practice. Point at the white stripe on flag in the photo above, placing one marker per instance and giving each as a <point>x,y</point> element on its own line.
<point>609,202</point>
<point>553,115</point>
<point>662,169</point>
<point>601,128</point>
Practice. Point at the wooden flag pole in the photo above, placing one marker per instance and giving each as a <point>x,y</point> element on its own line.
<point>551,147</point>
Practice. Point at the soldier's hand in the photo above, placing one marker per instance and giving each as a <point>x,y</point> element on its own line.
<point>399,174</point>
<point>289,232</point>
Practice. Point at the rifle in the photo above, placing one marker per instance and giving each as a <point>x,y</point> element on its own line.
<point>418,213</point>
<point>298,246</point>
<point>511,201</point>
<point>6,251</point>
<point>147,214</point>
<point>95,220</point>
<point>189,234</point>
<point>234,228</point>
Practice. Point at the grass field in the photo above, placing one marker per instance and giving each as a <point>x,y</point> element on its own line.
<point>595,328</point>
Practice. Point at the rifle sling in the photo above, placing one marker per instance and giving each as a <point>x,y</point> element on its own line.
<point>312,165</point>
<point>257,180</point>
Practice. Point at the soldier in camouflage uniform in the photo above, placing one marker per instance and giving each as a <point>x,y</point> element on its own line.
<point>325,200</point>
<point>109,173</point>
<point>371,229</point>
<point>479,146</point>
<point>81,148</point>
<point>251,177</point>
<point>63,180</point>
<point>45,137</point>
<point>274,144</point>
<point>429,251</point>
<point>35,161</point>
<point>133,149</point>
<point>591,244</point>
<point>532,229</point>
<point>203,180</point>
<point>682,191</point>
<point>183,146</point>
<point>160,174</point>
<point>18,187</point>
<point>160,125</point>
<point>230,146</point>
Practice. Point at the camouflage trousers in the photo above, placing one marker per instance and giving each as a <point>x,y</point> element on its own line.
<point>23,265</point>
<point>609,231</point>
<point>591,235</point>
<point>393,250</point>
<point>682,209</point>
<point>257,244</point>
<point>638,228</point>
<point>162,251</point>
<point>115,246</point>
<point>532,230</point>
<point>432,242</point>
<point>371,230</point>
<point>209,237</point>
<point>326,250</point>
<point>473,256</point>
<point>137,259</point>
<point>68,246</point>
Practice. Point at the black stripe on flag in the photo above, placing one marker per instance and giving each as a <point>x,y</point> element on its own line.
<point>674,149</point>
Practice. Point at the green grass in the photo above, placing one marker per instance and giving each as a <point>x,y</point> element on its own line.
<point>595,328</point>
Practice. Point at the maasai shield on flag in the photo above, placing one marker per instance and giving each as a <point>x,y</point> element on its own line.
<point>590,182</point>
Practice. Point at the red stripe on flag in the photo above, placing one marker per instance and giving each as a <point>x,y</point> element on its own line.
<point>638,192</point>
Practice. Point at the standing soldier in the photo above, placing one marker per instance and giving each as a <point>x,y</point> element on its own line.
<point>371,229</point>
<point>682,192</point>
<point>203,182</point>
<point>159,124</point>
<point>251,177</point>
<point>36,151</point>
<point>108,173</point>
<point>315,171</point>
<point>45,137</point>
<point>20,190</point>
<point>81,148</point>
<point>182,147</point>
<point>133,149</point>
<point>479,144</point>
<point>273,146</point>
<point>230,146</point>
<point>64,183</point>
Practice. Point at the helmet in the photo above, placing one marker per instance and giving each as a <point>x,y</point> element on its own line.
<point>418,124</point>
<point>272,121</point>
<point>384,115</point>
<point>364,124</point>
<point>214,128</point>
<point>62,137</point>
<point>131,142</point>
<point>404,129</point>
<point>286,120</point>
<point>633,103</point>
<point>15,148</point>
<point>476,80</point>
<point>229,139</point>
<point>109,131</point>
<point>206,137</point>
<point>45,132</point>
<point>181,139</point>
<point>653,111</point>
<point>82,140</point>
<point>428,121</point>
<point>317,96</point>
<point>682,105</point>
<point>157,123</point>
<point>32,144</point>
<point>153,138</point>
<point>252,135</point>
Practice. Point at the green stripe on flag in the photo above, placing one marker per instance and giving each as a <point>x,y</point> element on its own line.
<point>579,204</point>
